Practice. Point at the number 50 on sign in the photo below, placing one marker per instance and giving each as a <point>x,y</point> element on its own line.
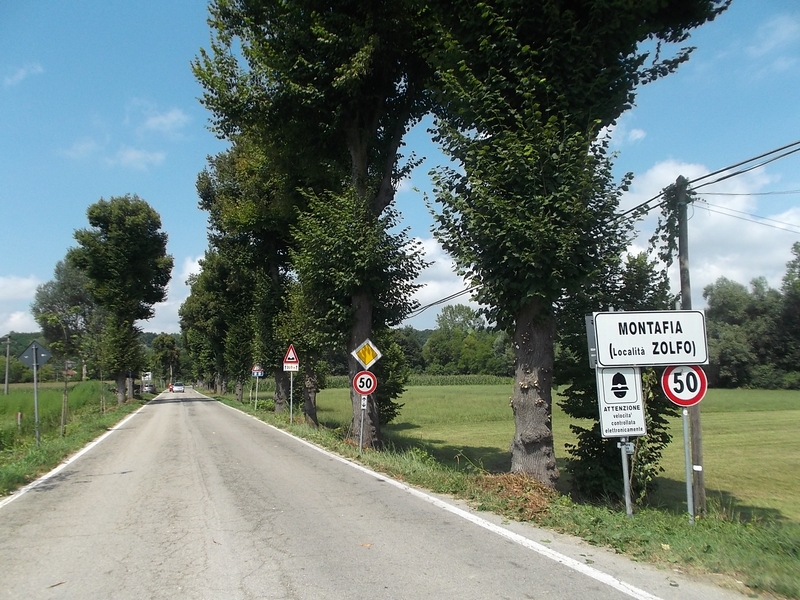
<point>365,383</point>
<point>685,385</point>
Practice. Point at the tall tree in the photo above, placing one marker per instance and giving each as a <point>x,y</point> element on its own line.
<point>64,309</point>
<point>333,87</point>
<point>251,207</point>
<point>525,88</point>
<point>203,319</point>
<point>166,356</point>
<point>347,264</point>
<point>124,256</point>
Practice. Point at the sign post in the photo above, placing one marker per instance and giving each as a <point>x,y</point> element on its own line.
<point>619,394</point>
<point>685,386</point>
<point>675,339</point>
<point>258,373</point>
<point>33,356</point>
<point>364,383</point>
<point>291,363</point>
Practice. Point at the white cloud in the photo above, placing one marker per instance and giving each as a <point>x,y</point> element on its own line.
<point>81,149</point>
<point>438,281</point>
<point>168,123</point>
<point>776,34</point>
<point>146,118</point>
<point>636,134</point>
<point>775,46</point>
<point>22,73</point>
<point>166,313</point>
<point>13,287</point>
<point>19,321</point>
<point>621,134</point>
<point>16,295</point>
<point>137,159</point>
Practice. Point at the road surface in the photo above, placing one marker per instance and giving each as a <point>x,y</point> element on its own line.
<point>189,498</point>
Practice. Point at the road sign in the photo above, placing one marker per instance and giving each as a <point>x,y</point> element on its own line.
<point>290,361</point>
<point>684,385</point>
<point>365,383</point>
<point>35,351</point>
<point>650,339</point>
<point>367,354</point>
<point>620,399</point>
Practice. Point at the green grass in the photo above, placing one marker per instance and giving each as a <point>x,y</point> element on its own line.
<point>751,453</point>
<point>21,460</point>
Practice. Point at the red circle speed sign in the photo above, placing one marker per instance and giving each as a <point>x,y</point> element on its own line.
<point>684,385</point>
<point>365,383</point>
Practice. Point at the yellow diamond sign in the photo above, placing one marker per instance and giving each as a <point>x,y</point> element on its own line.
<point>367,354</point>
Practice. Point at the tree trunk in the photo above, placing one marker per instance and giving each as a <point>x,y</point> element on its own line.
<point>310,390</point>
<point>532,449</point>
<point>120,379</point>
<point>362,329</point>
<point>239,390</point>
<point>281,397</point>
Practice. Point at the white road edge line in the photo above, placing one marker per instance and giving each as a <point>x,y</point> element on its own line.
<point>571,563</point>
<point>71,459</point>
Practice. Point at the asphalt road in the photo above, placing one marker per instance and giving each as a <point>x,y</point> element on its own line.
<point>191,499</point>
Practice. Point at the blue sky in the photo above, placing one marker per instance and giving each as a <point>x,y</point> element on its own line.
<point>97,99</point>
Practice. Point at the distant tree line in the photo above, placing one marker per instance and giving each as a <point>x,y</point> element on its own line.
<point>754,333</point>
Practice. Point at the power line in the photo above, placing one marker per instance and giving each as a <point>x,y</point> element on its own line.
<point>422,309</point>
<point>785,192</point>
<point>742,171</point>
<point>751,215</point>
<point>794,145</point>
<point>749,160</point>
<point>756,222</point>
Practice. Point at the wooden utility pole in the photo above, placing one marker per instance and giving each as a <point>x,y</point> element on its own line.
<point>8,351</point>
<point>698,477</point>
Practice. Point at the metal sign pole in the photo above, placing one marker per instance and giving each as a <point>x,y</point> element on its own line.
<point>255,403</point>
<point>36,392</point>
<point>361,434</point>
<point>688,460</point>
<point>623,446</point>
<point>291,396</point>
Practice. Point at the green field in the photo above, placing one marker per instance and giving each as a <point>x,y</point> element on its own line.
<point>750,442</point>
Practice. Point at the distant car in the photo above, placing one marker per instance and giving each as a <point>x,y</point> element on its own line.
<point>178,387</point>
<point>149,388</point>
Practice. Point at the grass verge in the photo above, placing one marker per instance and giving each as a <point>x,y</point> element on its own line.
<point>24,461</point>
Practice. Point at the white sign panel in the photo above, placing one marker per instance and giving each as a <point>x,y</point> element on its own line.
<point>650,339</point>
<point>619,394</point>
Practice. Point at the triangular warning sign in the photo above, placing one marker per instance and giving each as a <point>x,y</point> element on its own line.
<point>291,356</point>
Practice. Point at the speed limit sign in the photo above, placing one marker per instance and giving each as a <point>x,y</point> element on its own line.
<point>684,385</point>
<point>365,383</point>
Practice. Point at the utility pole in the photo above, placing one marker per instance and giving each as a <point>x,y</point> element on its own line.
<point>698,477</point>
<point>8,351</point>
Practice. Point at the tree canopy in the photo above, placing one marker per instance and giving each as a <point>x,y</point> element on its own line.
<point>528,211</point>
<point>124,257</point>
